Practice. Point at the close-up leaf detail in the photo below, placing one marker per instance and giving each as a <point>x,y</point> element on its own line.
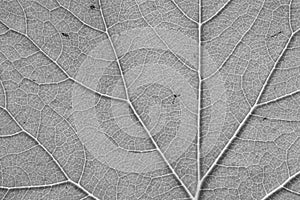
<point>150,100</point>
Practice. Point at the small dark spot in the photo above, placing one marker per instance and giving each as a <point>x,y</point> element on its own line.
<point>264,118</point>
<point>133,151</point>
<point>65,35</point>
<point>175,96</point>
<point>92,7</point>
<point>276,34</point>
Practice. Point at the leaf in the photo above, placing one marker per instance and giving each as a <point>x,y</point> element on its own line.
<point>162,99</point>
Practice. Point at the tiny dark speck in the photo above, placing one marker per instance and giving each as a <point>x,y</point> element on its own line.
<point>136,152</point>
<point>276,34</point>
<point>264,118</point>
<point>92,7</point>
<point>65,34</point>
<point>175,96</point>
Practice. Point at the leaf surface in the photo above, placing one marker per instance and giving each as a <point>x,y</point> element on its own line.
<point>138,99</point>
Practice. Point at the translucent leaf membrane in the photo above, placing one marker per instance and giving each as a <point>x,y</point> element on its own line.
<point>138,99</point>
<point>250,118</point>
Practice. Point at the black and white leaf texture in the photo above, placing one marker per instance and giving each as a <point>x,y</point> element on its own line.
<point>150,100</point>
